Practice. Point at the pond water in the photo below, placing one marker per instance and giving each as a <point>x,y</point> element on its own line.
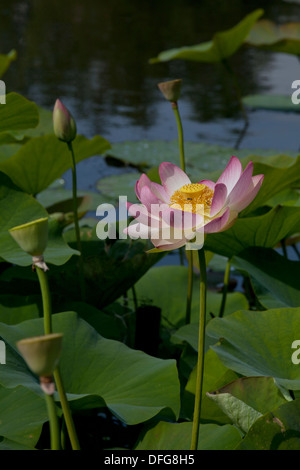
<point>94,55</point>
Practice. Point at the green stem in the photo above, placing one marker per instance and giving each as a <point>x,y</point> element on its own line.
<point>190,255</point>
<point>66,410</point>
<point>76,223</point>
<point>283,246</point>
<point>225,288</point>
<point>46,297</point>
<point>189,288</point>
<point>201,342</point>
<point>53,421</point>
<point>134,297</point>
<point>180,135</point>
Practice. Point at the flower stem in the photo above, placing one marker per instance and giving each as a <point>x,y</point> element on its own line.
<point>190,255</point>
<point>46,299</point>
<point>76,223</point>
<point>225,288</point>
<point>189,288</point>
<point>53,421</point>
<point>66,410</point>
<point>201,343</point>
<point>47,309</point>
<point>180,134</point>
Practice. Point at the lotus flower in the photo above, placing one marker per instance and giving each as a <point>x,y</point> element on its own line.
<point>174,213</point>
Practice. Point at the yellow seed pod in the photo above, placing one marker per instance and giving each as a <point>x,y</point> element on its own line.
<point>171,89</point>
<point>32,237</point>
<point>41,353</point>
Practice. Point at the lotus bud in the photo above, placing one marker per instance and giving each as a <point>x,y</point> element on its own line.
<point>41,354</point>
<point>171,90</point>
<point>32,238</point>
<point>63,123</point>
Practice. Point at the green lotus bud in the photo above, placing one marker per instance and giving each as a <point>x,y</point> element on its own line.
<point>32,237</point>
<point>63,123</point>
<point>171,89</point>
<point>41,353</point>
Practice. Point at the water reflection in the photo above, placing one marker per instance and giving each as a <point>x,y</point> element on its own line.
<point>94,55</point>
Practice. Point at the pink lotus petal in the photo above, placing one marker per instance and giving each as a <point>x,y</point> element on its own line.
<point>160,192</point>
<point>180,219</point>
<point>166,245</point>
<point>172,177</point>
<point>208,183</point>
<point>137,230</point>
<point>219,199</point>
<point>139,212</point>
<point>231,174</point>
<point>147,197</point>
<point>217,224</point>
<point>243,185</point>
<point>143,181</point>
<point>250,195</point>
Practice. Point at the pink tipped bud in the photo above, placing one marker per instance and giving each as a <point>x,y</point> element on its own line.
<point>63,123</point>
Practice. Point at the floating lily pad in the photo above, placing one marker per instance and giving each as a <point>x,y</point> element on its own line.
<point>201,158</point>
<point>111,187</point>
<point>271,102</point>
<point>277,38</point>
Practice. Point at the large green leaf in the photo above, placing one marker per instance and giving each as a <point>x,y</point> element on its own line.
<point>274,272</point>
<point>111,267</point>
<point>111,187</point>
<point>262,231</point>
<point>58,252</point>
<point>44,159</point>
<point>16,208</point>
<point>170,295</point>
<point>215,375</point>
<point>18,113</point>
<point>268,36</point>
<point>276,179</point>
<point>22,416</point>
<point>223,44</point>
<point>277,430</point>
<point>177,436</point>
<point>97,371</point>
<point>16,308</point>
<point>259,343</point>
<point>247,399</point>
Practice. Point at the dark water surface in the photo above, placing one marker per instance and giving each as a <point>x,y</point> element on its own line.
<point>94,55</point>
